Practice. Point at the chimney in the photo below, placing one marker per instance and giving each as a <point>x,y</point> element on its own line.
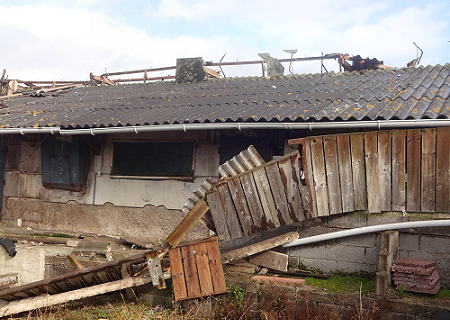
<point>190,70</point>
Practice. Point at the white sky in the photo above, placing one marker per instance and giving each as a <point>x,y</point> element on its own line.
<point>68,39</point>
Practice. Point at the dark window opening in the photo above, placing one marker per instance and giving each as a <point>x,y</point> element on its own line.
<point>65,163</point>
<point>153,159</point>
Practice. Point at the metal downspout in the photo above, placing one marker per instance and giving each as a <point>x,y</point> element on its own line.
<point>370,229</point>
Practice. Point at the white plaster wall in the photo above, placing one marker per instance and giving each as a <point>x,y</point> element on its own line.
<point>102,188</point>
<point>29,263</point>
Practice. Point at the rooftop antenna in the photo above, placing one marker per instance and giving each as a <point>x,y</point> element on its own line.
<point>292,52</point>
<point>415,61</point>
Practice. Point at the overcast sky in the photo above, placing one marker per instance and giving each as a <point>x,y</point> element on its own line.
<point>68,39</point>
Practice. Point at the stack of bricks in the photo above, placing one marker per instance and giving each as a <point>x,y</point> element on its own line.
<point>416,275</point>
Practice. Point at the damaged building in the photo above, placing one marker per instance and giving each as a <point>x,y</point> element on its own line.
<point>329,152</point>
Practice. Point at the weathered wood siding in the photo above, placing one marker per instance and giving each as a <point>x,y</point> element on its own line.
<point>374,171</point>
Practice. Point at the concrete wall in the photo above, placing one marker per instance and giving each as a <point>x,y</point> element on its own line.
<point>360,253</point>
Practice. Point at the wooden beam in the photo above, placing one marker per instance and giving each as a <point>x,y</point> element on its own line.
<point>74,261</point>
<point>259,247</point>
<point>18,306</point>
<point>187,223</point>
<point>272,260</point>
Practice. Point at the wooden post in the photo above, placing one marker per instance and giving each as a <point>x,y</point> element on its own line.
<point>389,243</point>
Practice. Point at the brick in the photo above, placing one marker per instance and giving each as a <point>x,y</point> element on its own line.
<point>364,240</point>
<point>320,264</point>
<point>371,255</point>
<point>409,242</point>
<point>435,244</point>
<point>345,253</point>
<point>308,251</point>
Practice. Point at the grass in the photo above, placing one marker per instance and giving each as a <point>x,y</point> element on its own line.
<point>343,284</point>
<point>53,235</point>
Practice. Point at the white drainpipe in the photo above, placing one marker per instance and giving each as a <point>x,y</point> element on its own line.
<point>370,229</point>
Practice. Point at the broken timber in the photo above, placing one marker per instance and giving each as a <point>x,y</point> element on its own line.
<point>259,247</point>
<point>87,282</point>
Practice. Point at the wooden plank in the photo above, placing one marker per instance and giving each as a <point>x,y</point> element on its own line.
<point>240,204</point>
<point>187,223</point>
<point>215,264</point>
<point>218,215</point>
<point>358,171</point>
<point>204,272</point>
<point>319,176</point>
<point>231,217</point>
<point>271,259</point>
<point>190,271</point>
<point>309,178</point>
<point>265,195</point>
<point>279,194</point>
<point>398,170</point>
<point>74,262</point>
<point>345,172</point>
<point>259,247</point>
<point>279,281</point>
<point>253,202</point>
<point>177,270</point>
<point>291,182</point>
<point>384,170</point>
<point>443,170</point>
<point>332,172</point>
<point>413,154</point>
<point>18,306</point>
<point>373,186</point>
<point>428,181</point>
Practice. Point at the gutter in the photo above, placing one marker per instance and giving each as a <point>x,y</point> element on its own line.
<point>370,229</point>
<point>371,124</point>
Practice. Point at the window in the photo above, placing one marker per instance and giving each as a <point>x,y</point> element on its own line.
<point>153,159</point>
<point>65,162</point>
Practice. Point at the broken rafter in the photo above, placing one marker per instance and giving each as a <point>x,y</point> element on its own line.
<point>101,80</point>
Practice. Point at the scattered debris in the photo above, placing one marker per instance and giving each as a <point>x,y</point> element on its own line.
<point>279,281</point>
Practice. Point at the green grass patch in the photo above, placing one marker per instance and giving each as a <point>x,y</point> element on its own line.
<point>443,293</point>
<point>342,284</point>
<point>53,235</point>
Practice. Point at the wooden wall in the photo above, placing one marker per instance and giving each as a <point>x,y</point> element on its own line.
<point>373,171</point>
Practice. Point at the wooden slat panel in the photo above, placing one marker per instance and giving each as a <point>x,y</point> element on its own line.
<point>240,204</point>
<point>204,272</point>
<point>428,181</point>
<point>309,177</point>
<point>398,170</point>
<point>345,172</point>
<point>190,272</point>
<point>291,182</point>
<point>218,215</point>
<point>384,167</point>
<point>253,202</point>
<point>176,268</point>
<point>279,194</point>
<point>332,170</point>
<point>215,263</point>
<point>230,212</point>
<point>358,171</point>
<point>265,195</point>
<point>372,172</point>
<point>319,174</point>
<point>443,170</point>
<point>413,154</point>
